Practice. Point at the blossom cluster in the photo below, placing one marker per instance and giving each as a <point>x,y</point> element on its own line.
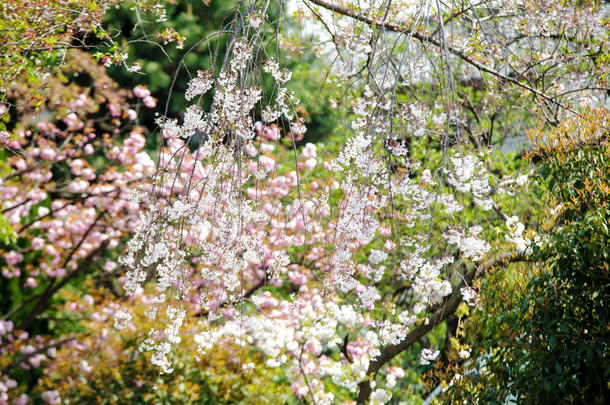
<point>233,214</point>
<point>66,210</point>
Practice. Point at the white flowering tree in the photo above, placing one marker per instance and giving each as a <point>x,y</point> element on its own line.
<point>333,264</point>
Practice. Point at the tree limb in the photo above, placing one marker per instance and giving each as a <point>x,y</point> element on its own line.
<point>48,293</point>
<point>445,311</point>
<point>429,39</point>
<point>25,357</point>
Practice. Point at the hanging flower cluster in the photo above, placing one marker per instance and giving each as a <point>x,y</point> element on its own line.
<point>233,211</point>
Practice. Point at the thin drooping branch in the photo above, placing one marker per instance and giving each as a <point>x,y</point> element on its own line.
<point>246,294</point>
<point>439,44</point>
<point>445,311</point>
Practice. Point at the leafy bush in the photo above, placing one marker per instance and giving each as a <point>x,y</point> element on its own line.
<point>542,335</point>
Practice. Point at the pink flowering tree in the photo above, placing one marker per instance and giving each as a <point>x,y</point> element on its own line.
<point>67,176</point>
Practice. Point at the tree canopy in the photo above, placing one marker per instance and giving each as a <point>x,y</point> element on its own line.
<point>305,201</point>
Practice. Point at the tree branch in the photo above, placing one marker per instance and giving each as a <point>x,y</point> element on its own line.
<point>48,293</point>
<point>25,357</point>
<point>441,314</point>
<point>429,39</point>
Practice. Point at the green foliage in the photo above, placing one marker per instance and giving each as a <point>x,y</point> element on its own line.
<point>35,37</point>
<point>196,20</point>
<point>7,233</point>
<point>543,335</point>
<point>193,20</point>
<point>570,303</point>
<point>111,369</point>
